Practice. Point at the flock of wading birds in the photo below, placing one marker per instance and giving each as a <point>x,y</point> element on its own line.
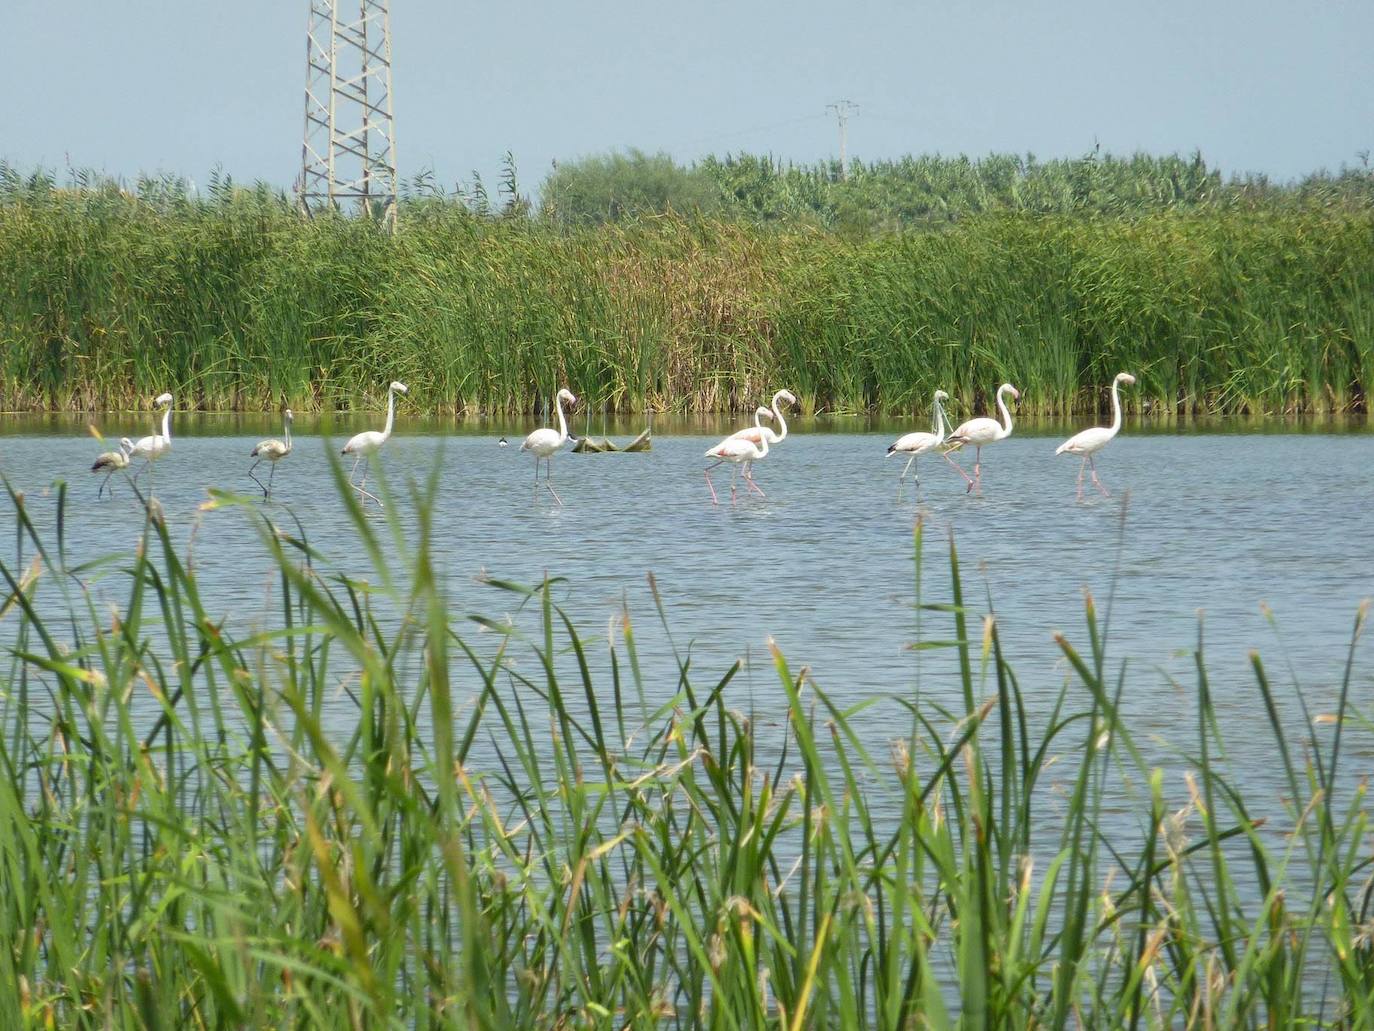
<point>741,449</point>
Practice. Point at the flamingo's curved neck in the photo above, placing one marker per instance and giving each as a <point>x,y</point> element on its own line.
<point>390,413</point>
<point>781,431</point>
<point>562,422</point>
<point>939,420</point>
<point>1006,415</point>
<point>288,434</point>
<point>167,424</point>
<point>1116,407</point>
<point>763,444</point>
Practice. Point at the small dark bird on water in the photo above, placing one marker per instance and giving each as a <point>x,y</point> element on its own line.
<point>501,442</point>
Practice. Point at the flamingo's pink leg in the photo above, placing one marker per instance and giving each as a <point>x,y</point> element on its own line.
<point>714,500</point>
<point>361,485</point>
<point>958,468</point>
<point>1096,482</point>
<point>1081,469</point>
<point>548,480</point>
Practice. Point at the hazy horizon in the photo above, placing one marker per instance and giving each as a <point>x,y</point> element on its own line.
<point>156,87</point>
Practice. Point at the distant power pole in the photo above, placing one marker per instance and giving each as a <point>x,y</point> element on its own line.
<point>349,154</point>
<point>843,110</point>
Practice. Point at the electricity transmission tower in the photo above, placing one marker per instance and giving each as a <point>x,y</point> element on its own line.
<point>349,154</point>
<point>843,110</point>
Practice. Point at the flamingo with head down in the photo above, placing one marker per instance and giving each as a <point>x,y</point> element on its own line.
<point>272,451</point>
<point>111,462</point>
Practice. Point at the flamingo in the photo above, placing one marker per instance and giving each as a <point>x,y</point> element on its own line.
<point>273,451</point>
<point>758,431</point>
<point>1090,441</point>
<point>154,446</point>
<point>980,433</point>
<point>364,445</point>
<point>740,451</point>
<point>542,443</point>
<point>755,434</point>
<point>110,462</point>
<point>918,443</point>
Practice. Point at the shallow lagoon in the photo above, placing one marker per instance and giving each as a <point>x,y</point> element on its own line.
<point>1227,523</point>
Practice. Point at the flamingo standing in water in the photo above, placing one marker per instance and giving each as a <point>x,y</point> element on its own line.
<point>111,462</point>
<point>542,443</point>
<point>741,451</point>
<point>154,446</point>
<point>271,451</point>
<point>918,443</point>
<point>758,431</point>
<point>364,445</point>
<point>980,433</point>
<point>1090,441</point>
<point>755,434</point>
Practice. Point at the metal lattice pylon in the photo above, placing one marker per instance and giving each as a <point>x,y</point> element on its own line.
<point>349,155</point>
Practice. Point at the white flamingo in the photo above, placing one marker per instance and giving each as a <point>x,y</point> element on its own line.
<point>980,433</point>
<point>364,445</point>
<point>758,431</point>
<point>740,451</point>
<point>111,462</point>
<point>918,443</point>
<point>154,446</point>
<point>542,443</point>
<point>755,434</point>
<point>271,450</point>
<point>1090,441</point>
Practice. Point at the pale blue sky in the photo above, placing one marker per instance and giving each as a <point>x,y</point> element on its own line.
<point>158,85</point>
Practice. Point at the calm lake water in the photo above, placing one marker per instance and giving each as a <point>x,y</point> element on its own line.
<point>1221,523</point>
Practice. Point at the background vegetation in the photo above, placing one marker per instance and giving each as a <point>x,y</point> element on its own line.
<point>888,196</point>
<point>509,833</point>
<point>641,283</point>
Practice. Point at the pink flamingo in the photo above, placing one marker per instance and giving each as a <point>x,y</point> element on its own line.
<point>1090,441</point>
<point>739,451</point>
<point>362,446</point>
<point>918,443</point>
<point>758,431</point>
<point>542,443</point>
<point>980,433</point>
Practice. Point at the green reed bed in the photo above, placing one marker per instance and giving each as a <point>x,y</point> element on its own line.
<point>510,833</point>
<point>234,302</point>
